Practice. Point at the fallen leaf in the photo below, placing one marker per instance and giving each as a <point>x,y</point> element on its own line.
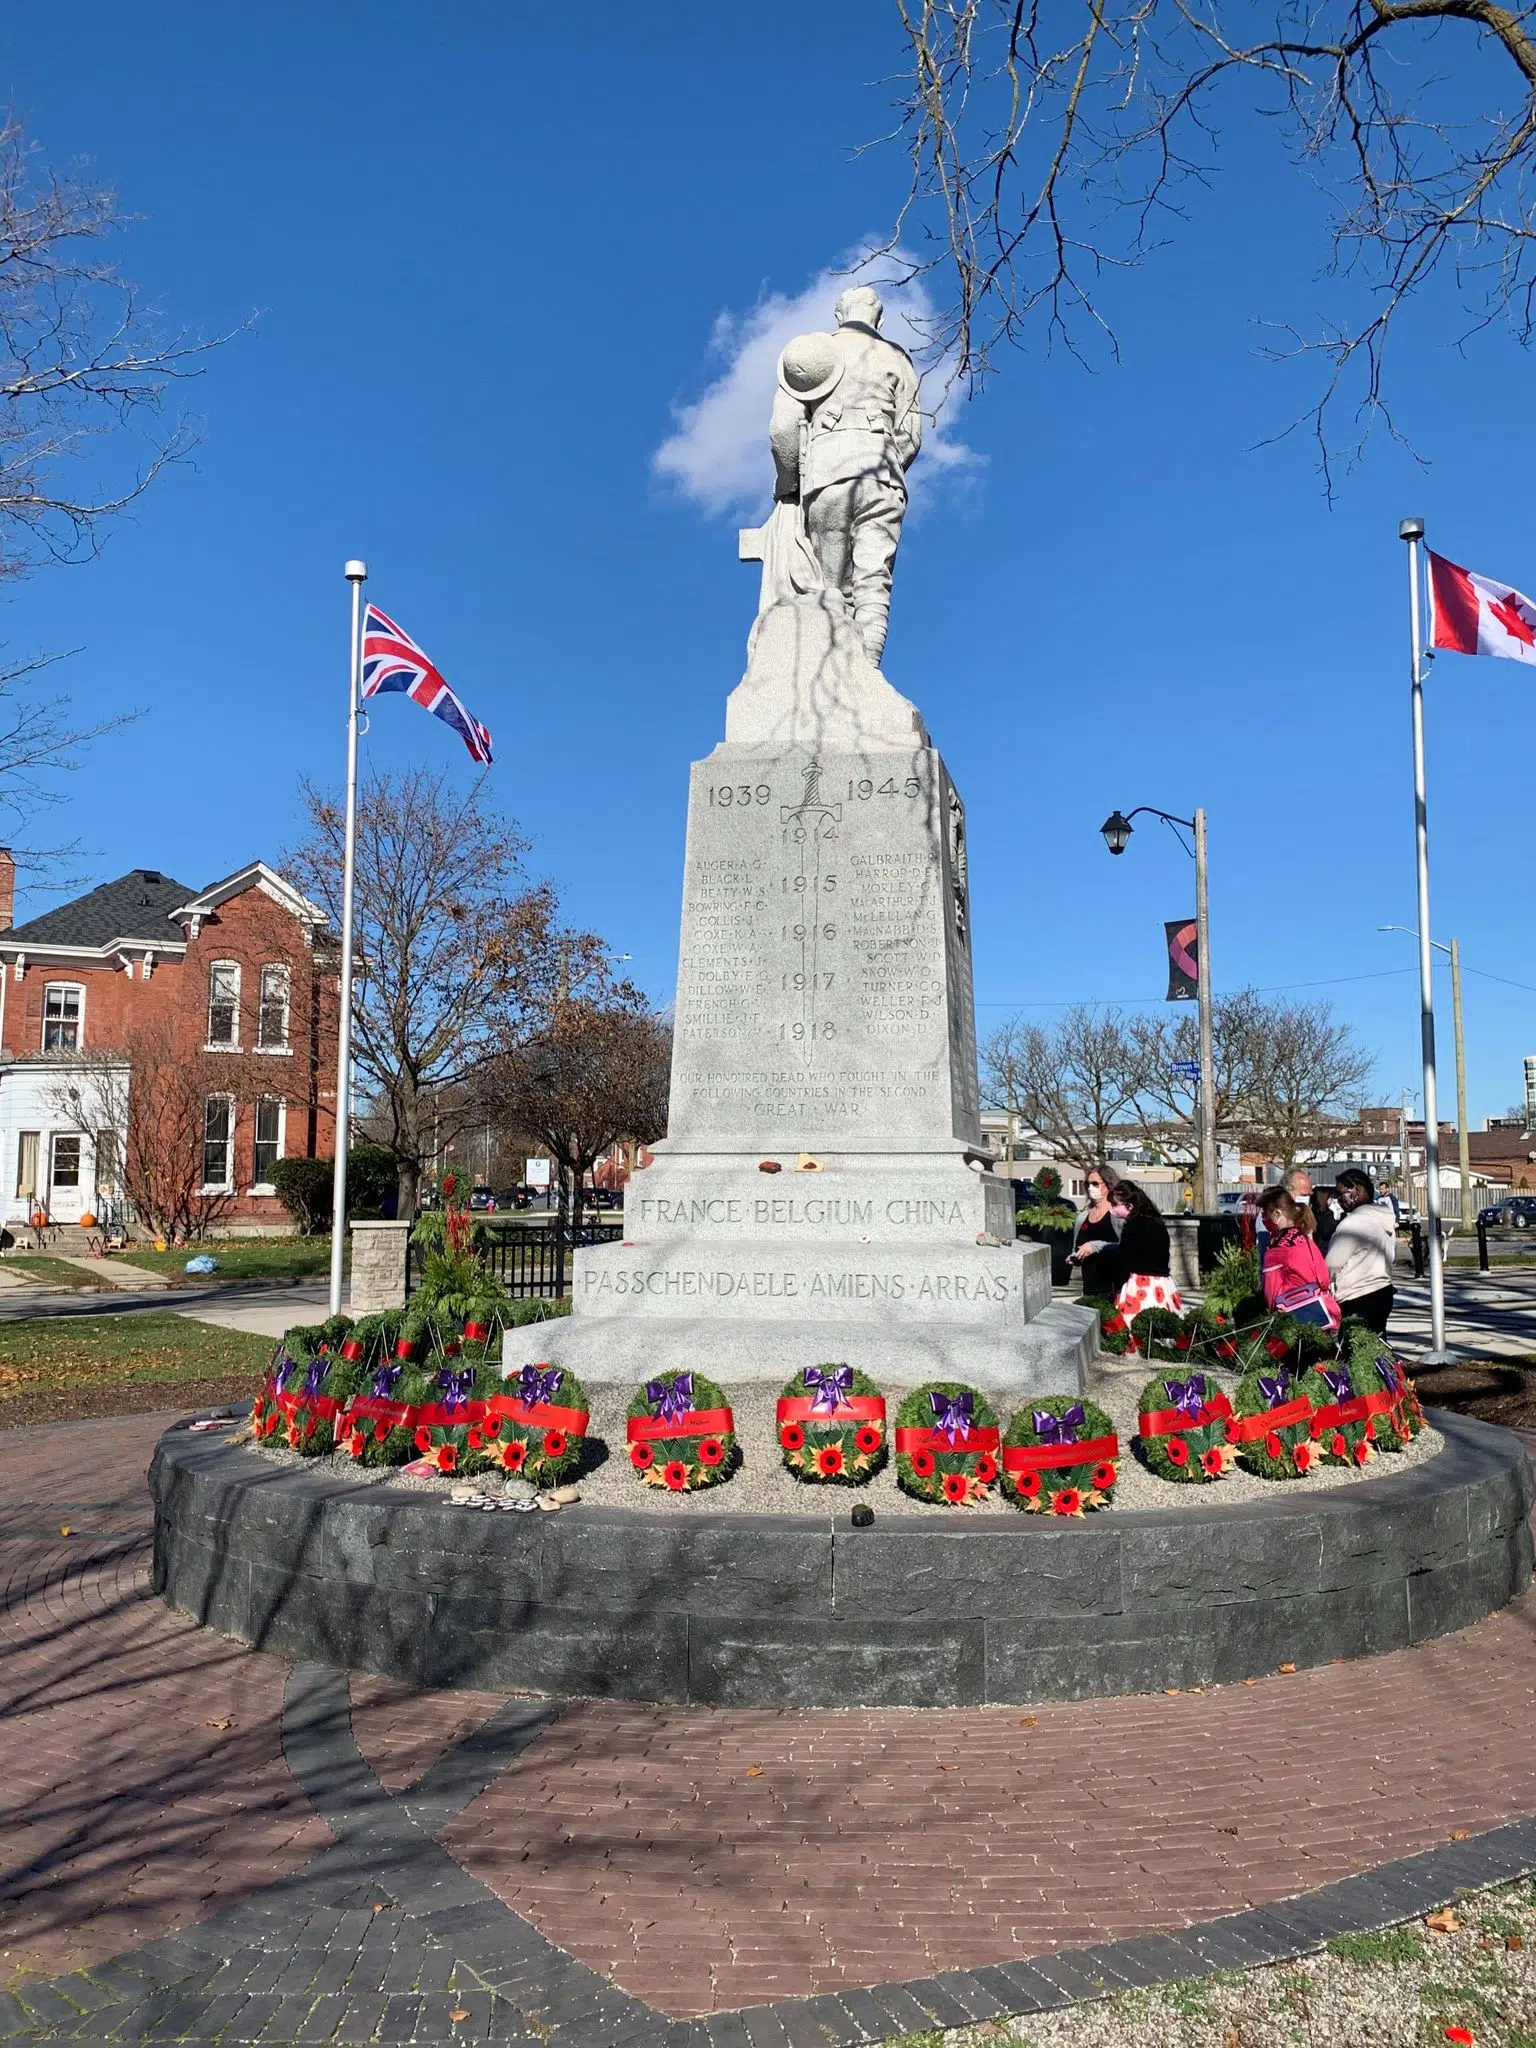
<point>1029,1721</point>
<point>1514,1941</point>
<point>1460,1834</point>
<point>1286,1670</point>
<point>754,1770</point>
<point>1443,1922</point>
<point>226,1723</point>
<point>949,1767</point>
<point>66,1530</point>
<point>1171,1690</point>
<point>460,2012</point>
<point>1226,1831</point>
<point>378,1905</point>
<point>1250,1681</point>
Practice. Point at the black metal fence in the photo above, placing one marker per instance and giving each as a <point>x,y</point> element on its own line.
<point>529,1259</point>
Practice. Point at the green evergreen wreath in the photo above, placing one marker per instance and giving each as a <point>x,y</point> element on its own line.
<point>1114,1330</point>
<point>1373,1361</point>
<point>1161,1336</point>
<point>307,1375</point>
<point>1053,1422</point>
<point>1263,1344</point>
<point>1282,1452</point>
<point>1195,1452</point>
<point>683,1460</point>
<point>946,1410</point>
<point>388,1440</point>
<point>830,1446</point>
<point>517,1436</point>
<point>1333,1384</point>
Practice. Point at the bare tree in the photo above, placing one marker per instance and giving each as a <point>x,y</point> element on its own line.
<point>458,955</point>
<point>1307,1081</point>
<point>1051,144</point>
<point>1166,1102</point>
<point>596,1073</point>
<point>1070,1082</point>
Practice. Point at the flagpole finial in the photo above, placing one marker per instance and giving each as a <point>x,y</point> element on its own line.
<point>356,572</point>
<point>1410,529</point>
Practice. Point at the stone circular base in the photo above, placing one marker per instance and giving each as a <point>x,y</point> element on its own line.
<point>757,1610</point>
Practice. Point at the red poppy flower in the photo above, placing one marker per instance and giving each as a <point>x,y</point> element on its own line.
<point>1226,1349</point>
<point>1178,1452</point>
<point>1370,1427</point>
<point>923,1464</point>
<point>1464,2036</point>
<point>355,1444</point>
<point>1212,1464</point>
<point>867,1440</point>
<point>676,1475</point>
<point>641,1456</point>
<point>293,1438</point>
<point>1275,1346</point>
<point>423,1439</point>
<point>490,1429</point>
<point>1362,1451</point>
<point>272,1422</point>
<point>986,1468</point>
<point>792,1436</point>
<point>711,1451</point>
<point>829,1460</point>
<point>554,1443</point>
<point>1303,1457</point>
<point>476,1440</point>
<point>1103,1477</point>
<point>1066,1501</point>
<point>513,1454</point>
<point>447,1457</point>
<point>1181,1343</point>
<point>1337,1446</point>
<point>1028,1483</point>
<point>309,1425</point>
<point>956,1487</point>
<point>1273,1445</point>
<point>380,1431</point>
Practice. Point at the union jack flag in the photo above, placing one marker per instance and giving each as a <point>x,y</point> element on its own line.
<point>393,661</point>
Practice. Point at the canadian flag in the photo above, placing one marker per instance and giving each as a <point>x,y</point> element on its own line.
<point>1475,615</point>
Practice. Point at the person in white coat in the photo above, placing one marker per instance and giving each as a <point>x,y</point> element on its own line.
<point>1361,1252</point>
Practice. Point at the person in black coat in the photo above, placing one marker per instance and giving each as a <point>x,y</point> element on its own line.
<point>1094,1241</point>
<point>1143,1252</point>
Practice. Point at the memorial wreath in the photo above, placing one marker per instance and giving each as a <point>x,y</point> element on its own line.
<point>1272,1425</point>
<point>831,1425</point>
<point>946,1444</point>
<point>681,1432</point>
<point>1059,1456</point>
<point>534,1424</point>
<point>1350,1410</point>
<point>1181,1428</point>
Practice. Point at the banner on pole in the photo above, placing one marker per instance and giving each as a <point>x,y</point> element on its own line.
<point>1183,960</point>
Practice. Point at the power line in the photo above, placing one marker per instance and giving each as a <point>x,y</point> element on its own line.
<point>1273,989</point>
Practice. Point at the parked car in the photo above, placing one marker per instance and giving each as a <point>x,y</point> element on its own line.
<point>482,1200</point>
<point>605,1198</point>
<point>1516,1212</point>
<point>514,1198</point>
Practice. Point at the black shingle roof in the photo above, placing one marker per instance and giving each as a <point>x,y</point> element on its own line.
<point>135,906</point>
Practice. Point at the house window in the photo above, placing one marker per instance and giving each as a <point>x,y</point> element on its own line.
<point>63,1002</point>
<point>27,1146</point>
<point>66,1162</point>
<point>272,1024</point>
<point>267,1147</point>
<point>224,1003</point>
<point>218,1132</point>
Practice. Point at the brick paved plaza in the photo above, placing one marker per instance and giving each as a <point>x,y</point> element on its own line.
<point>258,1880</point>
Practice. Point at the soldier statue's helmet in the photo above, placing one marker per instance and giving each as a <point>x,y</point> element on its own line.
<point>809,367</point>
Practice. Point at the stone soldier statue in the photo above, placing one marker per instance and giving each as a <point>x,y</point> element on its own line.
<point>845,429</point>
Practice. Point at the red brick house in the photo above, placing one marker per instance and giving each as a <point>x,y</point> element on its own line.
<point>146,992</point>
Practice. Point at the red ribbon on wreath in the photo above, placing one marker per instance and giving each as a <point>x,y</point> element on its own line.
<point>852,1408</point>
<point>1250,1427</point>
<point>538,1414</point>
<point>1093,1450</point>
<point>323,1406</point>
<point>1359,1408</point>
<point>1174,1421</point>
<point>650,1429</point>
<point>973,1439</point>
<point>439,1414</point>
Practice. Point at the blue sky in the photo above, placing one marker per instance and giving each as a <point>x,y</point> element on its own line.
<point>489,252</point>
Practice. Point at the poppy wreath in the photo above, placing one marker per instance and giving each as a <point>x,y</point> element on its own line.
<point>1161,1336</point>
<point>306,1386</point>
<point>381,1419</point>
<point>831,1424</point>
<point>947,1444</point>
<point>1260,1346</point>
<point>1351,1409</point>
<point>1206,1328</point>
<point>681,1433</point>
<point>1181,1428</point>
<point>1060,1456</point>
<point>534,1426</point>
<point>1374,1366</point>
<point>1114,1330</point>
<point>1272,1425</point>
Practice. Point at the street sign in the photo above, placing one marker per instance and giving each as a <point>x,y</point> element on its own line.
<point>1186,1070</point>
<point>538,1173</point>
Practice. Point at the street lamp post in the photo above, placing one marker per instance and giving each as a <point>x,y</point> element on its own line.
<point>1117,833</point>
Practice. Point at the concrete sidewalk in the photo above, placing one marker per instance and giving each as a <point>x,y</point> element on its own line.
<point>267,1315</point>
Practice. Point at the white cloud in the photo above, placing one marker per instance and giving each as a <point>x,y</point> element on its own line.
<point>718,455</point>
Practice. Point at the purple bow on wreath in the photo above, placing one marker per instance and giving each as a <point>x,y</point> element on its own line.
<point>1188,1396</point>
<point>537,1384</point>
<point>282,1365</point>
<point>830,1387</point>
<point>384,1381</point>
<point>455,1386</point>
<point>951,1414</point>
<point>1338,1381</point>
<point>672,1398</point>
<point>1059,1429</point>
<point>1392,1375</point>
<point>1276,1391</point>
<point>314,1377</point>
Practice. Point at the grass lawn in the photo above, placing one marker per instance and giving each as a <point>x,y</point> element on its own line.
<point>46,1272</point>
<point>244,1258</point>
<point>55,1366</point>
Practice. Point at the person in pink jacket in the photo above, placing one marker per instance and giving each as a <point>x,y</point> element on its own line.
<point>1296,1279</point>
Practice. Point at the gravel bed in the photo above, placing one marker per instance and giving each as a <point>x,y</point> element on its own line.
<point>1398,1988</point>
<point>762,1485</point>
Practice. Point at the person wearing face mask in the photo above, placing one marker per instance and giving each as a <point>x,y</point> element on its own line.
<point>1093,1246</point>
<point>1142,1253</point>
<point>1296,1280</point>
<point>1361,1251</point>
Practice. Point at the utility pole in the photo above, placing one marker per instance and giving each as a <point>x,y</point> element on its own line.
<point>1464,1144</point>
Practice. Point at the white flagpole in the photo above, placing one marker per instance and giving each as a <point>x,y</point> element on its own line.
<point>357,575</point>
<point>1412,531</point>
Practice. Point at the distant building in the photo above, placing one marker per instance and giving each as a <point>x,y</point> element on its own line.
<point>1530,1087</point>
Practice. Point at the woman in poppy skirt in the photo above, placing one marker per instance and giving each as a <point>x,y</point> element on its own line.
<point>1142,1253</point>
